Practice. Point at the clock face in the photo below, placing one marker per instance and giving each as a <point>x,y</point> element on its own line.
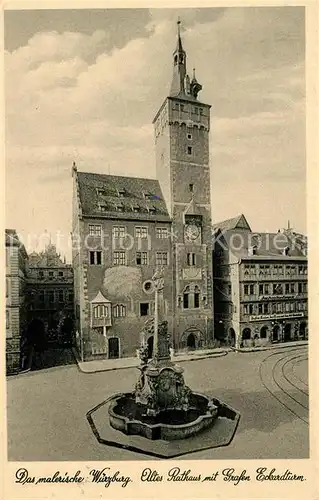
<point>192,232</point>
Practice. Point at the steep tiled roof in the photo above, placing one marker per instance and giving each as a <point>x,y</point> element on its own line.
<point>268,245</point>
<point>113,196</point>
<point>238,222</point>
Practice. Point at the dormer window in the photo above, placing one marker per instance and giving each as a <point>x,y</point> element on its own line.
<point>252,250</point>
<point>152,210</point>
<point>147,196</point>
<point>121,193</point>
<point>136,208</point>
<point>102,207</point>
<point>286,251</point>
<point>100,192</point>
<point>120,208</point>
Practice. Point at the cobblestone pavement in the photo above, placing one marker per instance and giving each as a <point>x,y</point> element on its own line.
<point>47,408</point>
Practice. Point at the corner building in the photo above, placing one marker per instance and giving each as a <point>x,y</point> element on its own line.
<point>260,285</point>
<point>124,228</point>
<point>182,127</point>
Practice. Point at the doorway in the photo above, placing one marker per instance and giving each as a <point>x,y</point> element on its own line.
<point>191,343</point>
<point>114,348</point>
<point>287,332</point>
<point>275,333</point>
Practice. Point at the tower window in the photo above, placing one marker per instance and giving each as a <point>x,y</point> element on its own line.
<point>189,136</point>
<point>185,300</point>
<point>189,150</point>
<point>96,258</point>
<point>196,300</point>
<point>175,60</point>
<point>191,259</point>
<point>191,188</point>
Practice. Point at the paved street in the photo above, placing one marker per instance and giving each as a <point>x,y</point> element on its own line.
<point>47,408</point>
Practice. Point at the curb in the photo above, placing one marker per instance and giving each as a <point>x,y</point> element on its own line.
<point>194,358</point>
<point>270,348</point>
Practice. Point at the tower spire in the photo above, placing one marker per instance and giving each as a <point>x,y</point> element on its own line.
<point>179,71</point>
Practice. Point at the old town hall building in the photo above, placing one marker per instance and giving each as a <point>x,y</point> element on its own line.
<point>126,227</point>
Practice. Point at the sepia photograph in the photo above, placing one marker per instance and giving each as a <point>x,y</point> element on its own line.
<point>156,241</point>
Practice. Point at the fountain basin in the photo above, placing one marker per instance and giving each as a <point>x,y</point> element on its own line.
<point>170,424</point>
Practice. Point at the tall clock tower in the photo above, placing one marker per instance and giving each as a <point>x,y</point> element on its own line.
<point>182,166</point>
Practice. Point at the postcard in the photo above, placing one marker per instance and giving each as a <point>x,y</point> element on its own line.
<point>160,191</point>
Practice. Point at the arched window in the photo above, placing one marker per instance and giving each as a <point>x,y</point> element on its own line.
<point>196,297</point>
<point>100,311</point>
<point>119,311</point>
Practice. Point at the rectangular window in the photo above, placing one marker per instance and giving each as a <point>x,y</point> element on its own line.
<point>95,258</point>
<point>189,136</point>
<point>7,319</point>
<point>118,231</point>
<point>51,295</point>
<point>251,289</point>
<point>61,296</point>
<point>251,309</point>
<point>51,274</point>
<point>266,289</point>
<point>162,232</point>
<point>41,274</point>
<point>144,309</point>
<point>287,288</point>
<point>266,308</point>
<point>261,289</point>
<point>191,259</point>
<point>246,289</point>
<point>141,232</point>
<point>7,287</point>
<point>141,258</point>
<point>189,150</point>
<point>260,308</point>
<point>229,289</point>
<point>95,229</point>
<point>61,274</point>
<point>246,309</point>
<point>161,258</point>
<point>119,258</point>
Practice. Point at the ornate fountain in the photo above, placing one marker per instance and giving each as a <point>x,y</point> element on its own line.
<point>161,406</point>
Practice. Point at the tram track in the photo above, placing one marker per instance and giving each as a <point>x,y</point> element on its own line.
<point>276,382</point>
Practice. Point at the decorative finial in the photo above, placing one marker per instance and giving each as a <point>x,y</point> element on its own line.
<point>179,26</point>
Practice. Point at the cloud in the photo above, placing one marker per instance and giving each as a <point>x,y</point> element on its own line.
<point>69,96</point>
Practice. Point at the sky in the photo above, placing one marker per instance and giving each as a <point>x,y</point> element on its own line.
<point>85,85</point>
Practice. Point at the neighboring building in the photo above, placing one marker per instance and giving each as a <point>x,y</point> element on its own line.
<point>260,285</point>
<point>16,314</point>
<point>50,290</point>
<point>124,228</point>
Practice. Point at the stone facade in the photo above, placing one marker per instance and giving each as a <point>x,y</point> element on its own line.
<point>260,286</point>
<point>131,221</point>
<point>50,290</point>
<point>182,166</point>
<point>16,309</point>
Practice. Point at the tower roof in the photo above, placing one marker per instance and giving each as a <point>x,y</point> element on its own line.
<point>181,86</point>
